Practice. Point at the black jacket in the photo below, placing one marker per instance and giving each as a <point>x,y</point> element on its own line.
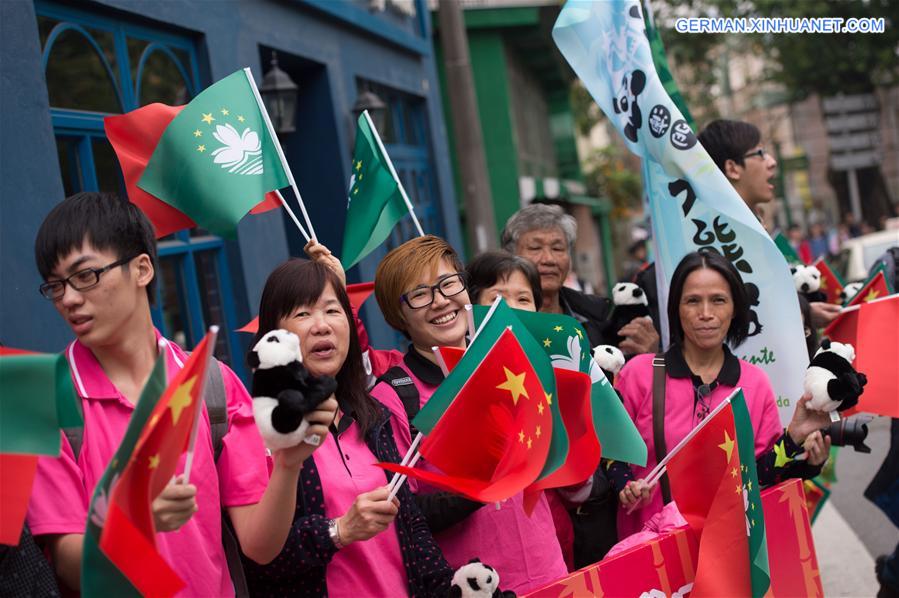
<point>300,568</point>
<point>591,311</point>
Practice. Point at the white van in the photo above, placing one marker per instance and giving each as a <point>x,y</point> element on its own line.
<point>863,251</point>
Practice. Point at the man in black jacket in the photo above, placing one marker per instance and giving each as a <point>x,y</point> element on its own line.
<point>545,235</point>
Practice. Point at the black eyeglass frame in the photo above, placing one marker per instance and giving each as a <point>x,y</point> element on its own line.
<point>759,153</point>
<point>46,288</point>
<point>435,287</point>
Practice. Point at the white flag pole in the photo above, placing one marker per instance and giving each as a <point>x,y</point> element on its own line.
<point>659,470</point>
<point>210,348</point>
<point>393,172</point>
<point>292,215</point>
<point>397,477</point>
<point>277,143</point>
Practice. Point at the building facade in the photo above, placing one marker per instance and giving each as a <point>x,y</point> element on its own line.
<point>522,86</point>
<point>66,65</point>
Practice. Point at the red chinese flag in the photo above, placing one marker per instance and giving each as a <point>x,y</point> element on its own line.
<point>831,285</point>
<point>450,356</point>
<point>708,481</point>
<point>844,328</point>
<point>16,478</point>
<point>134,136</point>
<point>877,356</point>
<point>129,534</point>
<point>492,441</point>
<point>573,390</point>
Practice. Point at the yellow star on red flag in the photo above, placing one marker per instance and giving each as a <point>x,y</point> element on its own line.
<point>727,446</point>
<point>514,384</point>
<point>181,399</point>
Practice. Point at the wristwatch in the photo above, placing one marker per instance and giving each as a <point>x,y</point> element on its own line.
<point>334,533</point>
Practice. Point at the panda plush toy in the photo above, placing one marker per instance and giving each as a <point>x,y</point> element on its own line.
<point>610,360</point>
<point>477,580</point>
<point>850,291</point>
<point>807,280</point>
<point>629,302</point>
<point>831,380</point>
<point>284,391</point>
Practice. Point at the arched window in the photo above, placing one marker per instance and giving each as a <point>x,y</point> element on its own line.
<point>95,66</point>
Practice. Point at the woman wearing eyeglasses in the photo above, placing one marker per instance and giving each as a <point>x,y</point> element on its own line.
<point>421,290</point>
<point>708,309</point>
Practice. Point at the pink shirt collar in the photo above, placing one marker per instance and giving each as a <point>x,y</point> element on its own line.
<point>91,382</point>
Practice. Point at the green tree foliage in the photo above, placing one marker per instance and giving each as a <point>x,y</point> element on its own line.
<point>804,63</point>
<point>607,176</point>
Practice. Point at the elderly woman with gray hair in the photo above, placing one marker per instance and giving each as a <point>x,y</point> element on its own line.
<point>545,235</point>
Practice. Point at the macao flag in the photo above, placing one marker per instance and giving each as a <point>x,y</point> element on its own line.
<point>216,159</point>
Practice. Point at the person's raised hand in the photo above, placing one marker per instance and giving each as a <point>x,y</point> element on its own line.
<point>321,254</point>
<point>823,313</point>
<point>175,505</point>
<point>319,420</point>
<point>370,514</point>
<point>806,421</point>
<point>640,337</point>
<point>634,492</point>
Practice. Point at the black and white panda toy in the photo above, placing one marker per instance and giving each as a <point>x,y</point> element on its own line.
<point>629,302</point>
<point>284,391</point>
<point>477,580</point>
<point>610,360</point>
<point>850,291</point>
<point>807,280</point>
<point>831,380</point>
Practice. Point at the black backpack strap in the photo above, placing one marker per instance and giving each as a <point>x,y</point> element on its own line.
<point>405,388</point>
<point>658,419</point>
<point>216,400</point>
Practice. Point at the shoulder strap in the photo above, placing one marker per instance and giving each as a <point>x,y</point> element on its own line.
<point>216,405</point>
<point>658,419</point>
<point>402,383</point>
<point>216,400</point>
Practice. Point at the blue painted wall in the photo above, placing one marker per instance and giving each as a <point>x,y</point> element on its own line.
<point>337,42</point>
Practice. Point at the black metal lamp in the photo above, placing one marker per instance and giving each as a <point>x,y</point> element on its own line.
<point>377,109</point>
<point>279,94</point>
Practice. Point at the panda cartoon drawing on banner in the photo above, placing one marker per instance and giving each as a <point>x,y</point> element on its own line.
<point>831,380</point>
<point>284,391</point>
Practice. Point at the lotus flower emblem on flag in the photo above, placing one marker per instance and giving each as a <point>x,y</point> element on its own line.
<point>242,153</point>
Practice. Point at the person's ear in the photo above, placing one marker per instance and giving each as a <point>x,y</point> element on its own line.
<point>732,170</point>
<point>143,268</point>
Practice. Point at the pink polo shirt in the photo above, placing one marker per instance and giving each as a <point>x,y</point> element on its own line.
<point>524,550</point>
<point>63,486</point>
<point>635,384</point>
<point>374,567</point>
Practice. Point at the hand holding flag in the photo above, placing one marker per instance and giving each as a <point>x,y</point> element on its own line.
<point>120,555</point>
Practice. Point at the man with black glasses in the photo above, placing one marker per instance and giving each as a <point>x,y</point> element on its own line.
<point>97,256</point>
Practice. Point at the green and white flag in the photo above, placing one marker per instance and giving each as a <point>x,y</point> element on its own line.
<point>216,159</point>
<point>375,203</point>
